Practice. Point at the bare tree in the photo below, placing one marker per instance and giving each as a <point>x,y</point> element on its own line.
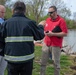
<point>35,8</point>
<point>66,13</point>
<point>58,3</point>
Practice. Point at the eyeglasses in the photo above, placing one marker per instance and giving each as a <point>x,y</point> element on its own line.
<point>51,12</point>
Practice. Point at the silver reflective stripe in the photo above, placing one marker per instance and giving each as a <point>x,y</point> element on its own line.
<point>19,58</point>
<point>18,39</point>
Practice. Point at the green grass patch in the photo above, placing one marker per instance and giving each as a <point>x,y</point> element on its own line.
<point>64,61</point>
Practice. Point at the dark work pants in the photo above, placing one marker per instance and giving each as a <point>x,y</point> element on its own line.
<point>20,69</point>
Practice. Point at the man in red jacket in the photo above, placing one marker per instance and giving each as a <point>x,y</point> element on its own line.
<point>55,30</point>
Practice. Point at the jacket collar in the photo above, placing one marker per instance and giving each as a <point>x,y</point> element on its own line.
<point>18,15</point>
<point>58,17</point>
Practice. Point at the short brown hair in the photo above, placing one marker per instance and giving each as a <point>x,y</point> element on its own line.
<point>54,7</point>
<point>19,7</point>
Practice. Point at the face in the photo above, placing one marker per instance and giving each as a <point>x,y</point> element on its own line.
<point>2,11</point>
<point>52,13</point>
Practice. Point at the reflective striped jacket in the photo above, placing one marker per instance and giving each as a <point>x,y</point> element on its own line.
<point>19,33</point>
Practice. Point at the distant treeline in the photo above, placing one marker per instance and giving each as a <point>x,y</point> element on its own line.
<point>71,24</point>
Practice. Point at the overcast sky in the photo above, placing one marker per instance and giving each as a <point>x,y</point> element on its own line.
<point>71,4</point>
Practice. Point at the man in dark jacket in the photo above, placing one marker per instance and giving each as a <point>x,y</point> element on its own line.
<point>3,63</point>
<point>19,33</point>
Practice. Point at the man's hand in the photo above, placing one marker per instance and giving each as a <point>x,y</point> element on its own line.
<point>59,34</point>
<point>48,33</point>
<point>42,23</point>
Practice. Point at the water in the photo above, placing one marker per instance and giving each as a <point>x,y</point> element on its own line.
<point>71,39</point>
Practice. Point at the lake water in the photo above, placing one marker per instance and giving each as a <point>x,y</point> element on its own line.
<point>71,39</point>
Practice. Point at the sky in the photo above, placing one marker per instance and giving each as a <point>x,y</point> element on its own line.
<point>72,5</point>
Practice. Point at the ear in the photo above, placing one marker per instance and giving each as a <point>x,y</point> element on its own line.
<point>12,11</point>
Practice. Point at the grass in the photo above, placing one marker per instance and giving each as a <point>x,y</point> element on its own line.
<point>66,61</point>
